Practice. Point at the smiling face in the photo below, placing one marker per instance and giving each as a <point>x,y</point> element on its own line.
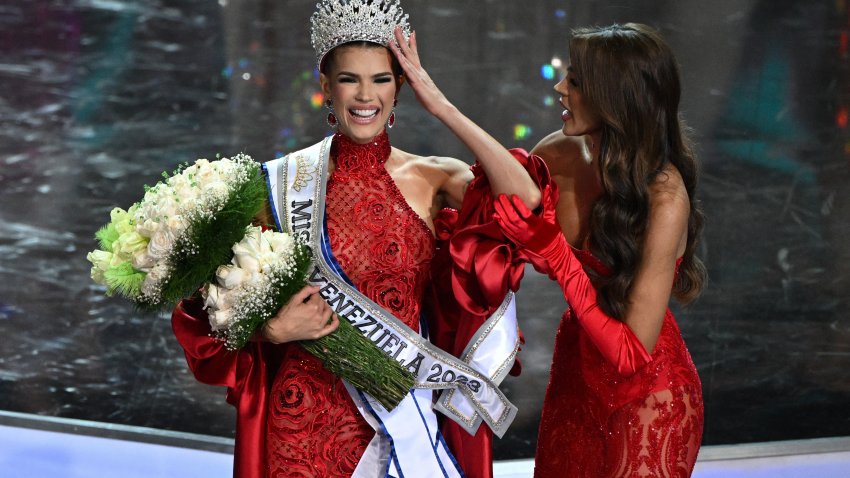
<point>359,82</point>
<point>578,116</point>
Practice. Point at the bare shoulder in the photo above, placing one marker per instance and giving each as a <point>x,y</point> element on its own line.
<point>445,178</point>
<point>559,151</point>
<point>432,164</point>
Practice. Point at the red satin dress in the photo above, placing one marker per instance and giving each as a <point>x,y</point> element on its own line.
<point>599,422</point>
<point>385,248</point>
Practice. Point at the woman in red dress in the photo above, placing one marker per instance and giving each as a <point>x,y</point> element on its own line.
<point>624,398</point>
<point>294,418</point>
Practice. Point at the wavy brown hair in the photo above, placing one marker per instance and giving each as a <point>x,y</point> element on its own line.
<point>629,76</point>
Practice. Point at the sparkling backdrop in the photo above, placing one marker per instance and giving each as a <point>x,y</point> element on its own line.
<point>97,97</point>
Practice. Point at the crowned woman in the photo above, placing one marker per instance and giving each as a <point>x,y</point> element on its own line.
<point>389,247</point>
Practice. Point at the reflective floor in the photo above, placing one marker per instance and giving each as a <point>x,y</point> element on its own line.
<point>50,452</point>
<point>98,96</point>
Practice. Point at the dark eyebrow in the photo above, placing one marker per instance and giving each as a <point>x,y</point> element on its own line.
<point>379,75</point>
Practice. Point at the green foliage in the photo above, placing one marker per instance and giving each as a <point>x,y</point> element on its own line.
<point>105,236</point>
<point>208,242</point>
<point>124,279</point>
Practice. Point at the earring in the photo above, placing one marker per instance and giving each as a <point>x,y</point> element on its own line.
<point>332,121</point>
<point>391,119</point>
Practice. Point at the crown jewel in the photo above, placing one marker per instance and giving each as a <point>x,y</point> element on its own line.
<point>342,21</point>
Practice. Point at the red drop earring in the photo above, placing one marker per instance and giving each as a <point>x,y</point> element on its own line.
<point>332,121</point>
<point>391,119</point>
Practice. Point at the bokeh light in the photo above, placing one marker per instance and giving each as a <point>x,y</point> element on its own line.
<point>841,117</point>
<point>547,71</point>
<point>317,100</point>
<point>521,131</point>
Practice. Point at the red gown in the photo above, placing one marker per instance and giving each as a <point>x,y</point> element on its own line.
<point>385,248</point>
<point>598,421</point>
<point>293,417</point>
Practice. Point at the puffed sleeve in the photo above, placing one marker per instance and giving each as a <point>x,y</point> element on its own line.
<point>474,267</point>
<point>475,264</point>
<point>246,373</point>
<point>485,264</point>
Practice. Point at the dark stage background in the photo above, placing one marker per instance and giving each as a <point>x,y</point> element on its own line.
<point>98,96</point>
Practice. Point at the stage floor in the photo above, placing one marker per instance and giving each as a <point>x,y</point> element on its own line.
<point>39,447</point>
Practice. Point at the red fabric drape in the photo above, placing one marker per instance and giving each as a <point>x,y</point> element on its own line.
<point>474,267</point>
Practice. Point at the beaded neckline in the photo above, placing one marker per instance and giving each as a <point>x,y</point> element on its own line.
<point>350,155</point>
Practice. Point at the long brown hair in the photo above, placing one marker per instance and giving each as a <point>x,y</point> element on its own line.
<point>629,76</point>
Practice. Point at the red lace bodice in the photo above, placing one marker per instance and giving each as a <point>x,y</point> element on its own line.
<point>380,242</point>
<point>385,248</point>
<point>597,423</point>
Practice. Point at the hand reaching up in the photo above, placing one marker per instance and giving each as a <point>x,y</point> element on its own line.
<point>427,93</point>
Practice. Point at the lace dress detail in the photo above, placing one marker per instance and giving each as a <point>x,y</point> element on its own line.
<point>385,248</point>
<point>597,423</point>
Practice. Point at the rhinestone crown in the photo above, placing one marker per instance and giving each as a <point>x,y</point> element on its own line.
<point>342,21</point>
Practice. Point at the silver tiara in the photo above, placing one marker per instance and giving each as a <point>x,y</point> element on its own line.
<point>342,21</point>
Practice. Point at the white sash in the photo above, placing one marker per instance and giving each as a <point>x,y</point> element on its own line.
<point>297,185</point>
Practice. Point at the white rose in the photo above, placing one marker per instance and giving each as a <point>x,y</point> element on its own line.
<point>116,260</point>
<point>143,261</point>
<point>280,242</point>
<point>247,251</point>
<point>146,227</point>
<point>205,172</point>
<point>176,224</point>
<point>179,182</point>
<point>165,207</point>
<point>218,189</point>
<point>248,262</point>
<point>128,244</point>
<point>212,297</point>
<point>100,262</point>
<point>230,277</point>
<point>100,259</point>
<point>191,170</point>
<point>160,244</point>
<point>152,195</point>
<point>185,190</point>
<point>150,286</point>
<point>220,319</point>
<point>267,261</point>
<point>157,273</point>
<point>122,220</point>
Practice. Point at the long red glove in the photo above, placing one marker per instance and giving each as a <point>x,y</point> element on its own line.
<point>614,339</point>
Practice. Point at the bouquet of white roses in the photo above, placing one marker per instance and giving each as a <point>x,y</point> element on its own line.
<point>265,264</point>
<point>267,269</point>
<point>192,230</point>
<point>165,246</point>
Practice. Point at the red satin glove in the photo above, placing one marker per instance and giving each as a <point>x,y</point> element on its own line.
<point>544,242</point>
